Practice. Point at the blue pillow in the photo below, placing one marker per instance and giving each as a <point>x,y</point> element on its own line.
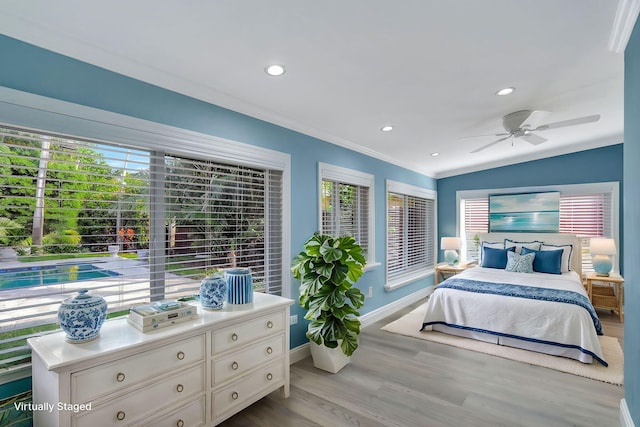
<point>520,263</point>
<point>495,258</point>
<point>546,261</point>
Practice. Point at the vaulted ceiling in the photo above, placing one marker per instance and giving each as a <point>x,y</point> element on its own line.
<point>428,68</point>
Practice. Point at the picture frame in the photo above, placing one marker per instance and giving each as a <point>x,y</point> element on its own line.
<point>525,212</point>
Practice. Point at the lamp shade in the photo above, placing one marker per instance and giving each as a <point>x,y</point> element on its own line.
<point>450,243</point>
<point>602,246</point>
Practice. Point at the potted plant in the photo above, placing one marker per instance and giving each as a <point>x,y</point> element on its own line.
<point>327,269</point>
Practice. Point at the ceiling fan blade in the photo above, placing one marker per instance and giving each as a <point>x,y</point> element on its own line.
<point>533,139</point>
<point>571,122</point>
<point>479,136</point>
<point>489,145</point>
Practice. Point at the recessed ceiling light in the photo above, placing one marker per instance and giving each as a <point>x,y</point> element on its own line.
<point>436,154</point>
<point>275,70</point>
<point>505,91</point>
<point>386,128</point>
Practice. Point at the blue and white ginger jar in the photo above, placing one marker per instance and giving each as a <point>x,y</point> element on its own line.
<point>213,291</point>
<point>239,285</point>
<point>82,316</point>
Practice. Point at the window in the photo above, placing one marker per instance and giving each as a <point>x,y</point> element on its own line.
<point>347,206</point>
<point>586,210</point>
<point>410,233</point>
<point>131,224</point>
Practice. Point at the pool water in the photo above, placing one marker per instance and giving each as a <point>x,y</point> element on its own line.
<point>51,275</point>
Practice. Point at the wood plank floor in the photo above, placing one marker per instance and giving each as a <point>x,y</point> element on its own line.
<point>402,381</point>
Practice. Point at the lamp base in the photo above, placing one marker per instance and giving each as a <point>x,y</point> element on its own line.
<point>602,265</point>
<point>450,256</point>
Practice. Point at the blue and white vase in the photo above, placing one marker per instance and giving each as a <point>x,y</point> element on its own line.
<point>213,291</point>
<point>239,285</point>
<point>82,316</point>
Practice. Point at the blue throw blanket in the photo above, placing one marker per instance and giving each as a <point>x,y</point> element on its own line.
<point>530,292</point>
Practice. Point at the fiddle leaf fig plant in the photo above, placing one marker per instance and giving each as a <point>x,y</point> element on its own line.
<point>327,269</point>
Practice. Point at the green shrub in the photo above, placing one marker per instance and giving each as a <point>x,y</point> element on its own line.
<point>65,241</point>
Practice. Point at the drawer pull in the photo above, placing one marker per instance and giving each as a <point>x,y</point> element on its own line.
<point>234,395</point>
<point>120,415</point>
<point>180,355</point>
<point>180,423</point>
<point>179,388</point>
<point>234,337</point>
<point>269,350</point>
<point>234,366</point>
<point>120,377</point>
<point>269,376</point>
<point>269,324</point>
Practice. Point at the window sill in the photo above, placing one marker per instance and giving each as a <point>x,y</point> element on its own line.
<point>371,266</point>
<point>408,279</point>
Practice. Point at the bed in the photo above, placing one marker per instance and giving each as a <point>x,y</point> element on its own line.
<point>538,305</point>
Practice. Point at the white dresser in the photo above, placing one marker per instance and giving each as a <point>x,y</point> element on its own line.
<point>196,373</point>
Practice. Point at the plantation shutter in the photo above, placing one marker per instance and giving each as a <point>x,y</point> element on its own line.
<point>476,220</point>
<point>345,211</point>
<point>130,225</point>
<point>410,234</point>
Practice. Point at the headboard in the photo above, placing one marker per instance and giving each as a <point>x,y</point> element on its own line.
<point>548,238</point>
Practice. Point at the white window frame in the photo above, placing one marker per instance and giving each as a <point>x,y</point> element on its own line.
<point>47,115</point>
<point>612,187</point>
<point>411,190</point>
<point>352,177</point>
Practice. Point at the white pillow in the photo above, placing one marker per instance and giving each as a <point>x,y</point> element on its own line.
<point>567,251</point>
<point>493,245</point>
<point>534,245</point>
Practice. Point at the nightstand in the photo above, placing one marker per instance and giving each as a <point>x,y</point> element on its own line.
<point>608,294</point>
<point>444,270</point>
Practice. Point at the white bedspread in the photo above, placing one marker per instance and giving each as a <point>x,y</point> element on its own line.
<point>547,322</point>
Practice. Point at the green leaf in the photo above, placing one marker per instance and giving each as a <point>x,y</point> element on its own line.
<point>329,253</point>
<point>344,311</point>
<point>314,332</point>
<point>355,296</point>
<point>349,343</point>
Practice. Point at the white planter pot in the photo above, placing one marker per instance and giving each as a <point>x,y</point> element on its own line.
<point>113,250</point>
<point>328,359</point>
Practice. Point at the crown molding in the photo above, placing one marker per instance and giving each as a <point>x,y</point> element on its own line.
<point>623,24</point>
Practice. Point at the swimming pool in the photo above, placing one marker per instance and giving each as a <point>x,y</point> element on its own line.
<point>51,275</point>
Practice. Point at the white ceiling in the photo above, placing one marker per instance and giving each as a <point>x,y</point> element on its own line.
<point>428,67</point>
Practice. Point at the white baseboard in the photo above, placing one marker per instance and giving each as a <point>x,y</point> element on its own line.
<point>302,351</point>
<point>387,310</point>
<point>625,415</point>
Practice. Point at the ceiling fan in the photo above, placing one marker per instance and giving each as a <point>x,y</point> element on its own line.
<point>523,124</point>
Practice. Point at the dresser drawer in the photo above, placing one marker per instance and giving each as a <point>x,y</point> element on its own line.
<point>191,415</point>
<point>247,332</point>
<point>128,409</point>
<point>237,395</point>
<point>104,379</point>
<point>249,358</point>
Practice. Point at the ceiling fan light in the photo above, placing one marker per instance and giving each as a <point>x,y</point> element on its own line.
<point>505,91</point>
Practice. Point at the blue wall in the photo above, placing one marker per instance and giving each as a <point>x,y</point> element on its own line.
<point>632,225</point>
<point>42,72</point>
<point>597,165</point>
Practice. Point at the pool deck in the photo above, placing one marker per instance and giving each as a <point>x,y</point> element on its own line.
<point>24,302</point>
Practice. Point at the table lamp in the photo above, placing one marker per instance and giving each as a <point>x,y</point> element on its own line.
<point>601,251</point>
<point>450,245</point>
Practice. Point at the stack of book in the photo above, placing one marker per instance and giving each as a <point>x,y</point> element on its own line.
<point>160,314</point>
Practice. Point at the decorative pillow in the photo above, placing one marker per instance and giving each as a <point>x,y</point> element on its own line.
<point>493,245</point>
<point>549,261</point>
<point>566,255</point>
<point>520,263</point>
<point>535,245</point>
<point>495,258</point>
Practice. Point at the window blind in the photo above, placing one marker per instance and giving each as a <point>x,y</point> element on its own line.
<point>410,234</point>
<point>345,211</point>
<point>131,225</point>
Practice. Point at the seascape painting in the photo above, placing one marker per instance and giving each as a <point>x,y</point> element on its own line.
<point>525,212</point>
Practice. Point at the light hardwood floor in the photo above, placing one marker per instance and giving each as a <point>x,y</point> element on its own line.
<point>402,381</point>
